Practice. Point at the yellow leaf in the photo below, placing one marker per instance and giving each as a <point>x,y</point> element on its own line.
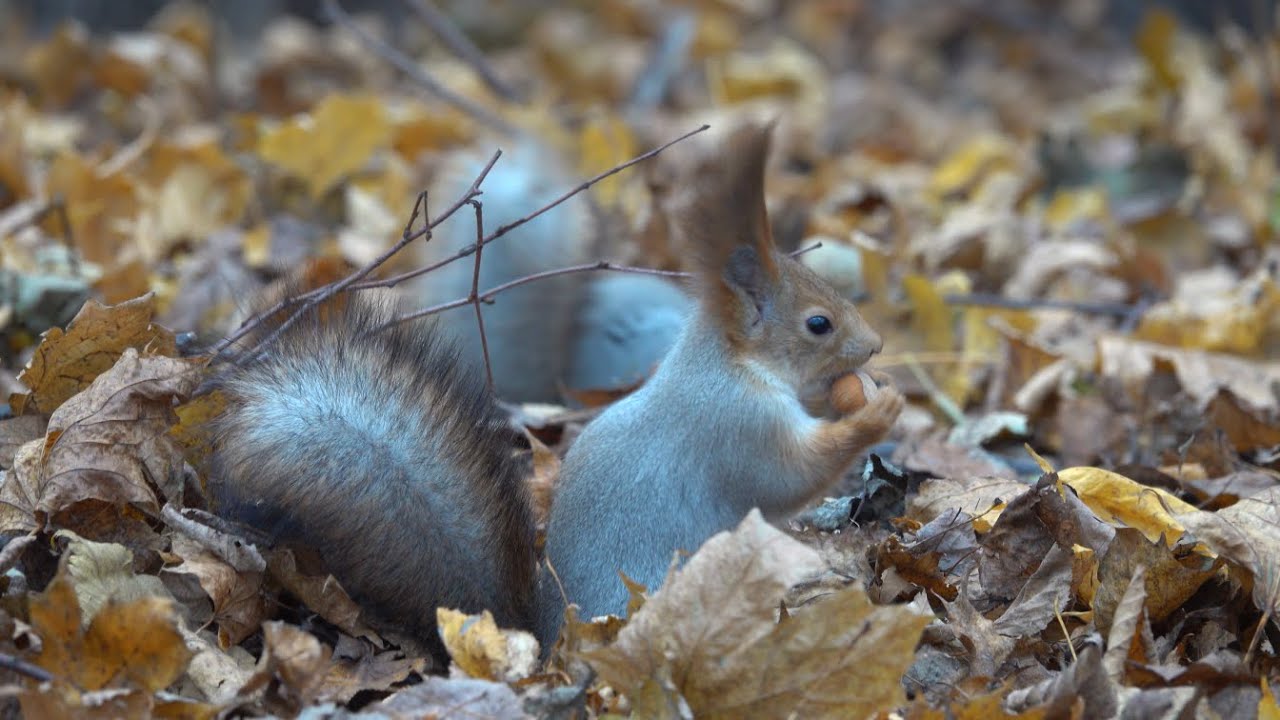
<point>419,129</point>
<point>1156,43</point>
<point>1084,573</point>
<point>133,643</point>
<point>191,204</point>
<point>1236,320</point>
<point>1071,206</point>
<point>192,430</point>
<point>256,246</point>
<point>968,165</point>
<point>1045,465</point>
<point>930,314</point>
<point>605,141</point>
<point>101,208</point>
<point>335,141</point>
<point>166,157</point>
<point>122,68</point>
<point>1268,709</point>
<point>1124,503</point>
<point>483,650</point>
<point>59,67</point>
<point>715,34</point>
<point>983,523</point>
<point>784,70</point>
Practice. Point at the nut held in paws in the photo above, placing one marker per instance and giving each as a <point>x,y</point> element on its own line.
<point>848,394</point>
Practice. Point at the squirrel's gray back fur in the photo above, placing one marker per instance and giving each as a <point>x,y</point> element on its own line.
<point>663,452</point>
<point>387,455</point>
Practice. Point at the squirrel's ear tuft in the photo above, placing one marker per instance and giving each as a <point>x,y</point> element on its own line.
<point>725,210</point>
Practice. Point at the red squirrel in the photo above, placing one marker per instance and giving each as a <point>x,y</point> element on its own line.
<point>388,454</point>
<point>733,418</point>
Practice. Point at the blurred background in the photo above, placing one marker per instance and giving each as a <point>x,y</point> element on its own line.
<point>248,16</point>
<point>1006,186</point>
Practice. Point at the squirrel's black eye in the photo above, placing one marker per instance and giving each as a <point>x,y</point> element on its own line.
<point>818,324</point>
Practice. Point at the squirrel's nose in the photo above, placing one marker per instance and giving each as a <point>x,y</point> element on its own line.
<point>872,343</point>
<point>863,347</point>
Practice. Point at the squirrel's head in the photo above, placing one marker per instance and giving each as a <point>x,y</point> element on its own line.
<point>771,309</point>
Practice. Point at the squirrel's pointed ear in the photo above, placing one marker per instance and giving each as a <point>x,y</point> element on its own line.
<point>727,210</point>
<point>725,224</point>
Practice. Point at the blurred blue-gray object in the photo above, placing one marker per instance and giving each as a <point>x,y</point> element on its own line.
<point>626,324</point>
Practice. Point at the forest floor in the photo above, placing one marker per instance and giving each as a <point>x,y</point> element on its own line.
<point>1065,234</point>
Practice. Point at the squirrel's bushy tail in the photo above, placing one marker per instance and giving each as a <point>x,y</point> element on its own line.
<point>386,454</point>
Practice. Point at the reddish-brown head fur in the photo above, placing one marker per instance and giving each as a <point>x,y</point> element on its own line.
<point>770,307</point>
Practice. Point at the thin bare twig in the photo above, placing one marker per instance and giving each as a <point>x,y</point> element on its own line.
<point>503,230</point>
<point>474,297</point>
<point>939,398</point>
<point>459,44</point>
<point>59,208</point>
<point>335,288</point>
<point>1000,301</point>
<point>583,186</point>
<point>315,297</point>
<point>804,250</point>
<point>413,70</point>
<point>22,667</point>
<point>310,299</point>
<point>493,292</point>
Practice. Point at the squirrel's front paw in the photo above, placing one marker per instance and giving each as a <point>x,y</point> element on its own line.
<point>858,430</point>
<point>884,405</point>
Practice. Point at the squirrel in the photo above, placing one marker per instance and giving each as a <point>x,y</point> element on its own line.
<point>734,416</point>
<point>389,455</point>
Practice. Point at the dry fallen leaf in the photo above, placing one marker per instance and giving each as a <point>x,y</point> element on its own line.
<point>1122,502</point>
<point>1091,252</point>
<point>483,650</point>
<point>239,606</point>
<point>708,639</point>
<point>981,497</point>
<point>16,432</point>
<point>1236,392</point>
<point>370,670</point>
<point>439,697</point>
<point>1172,575</point>
<point>110,443</point>
<point>291,672</point>
<point>66,362</point>
<point>102,573</point>
<point>986,645</point>
<point>322,594</point>
<point>101,206</point>
<point>334,141</point>
<point>125,644</point>
<point>1248,535</point>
